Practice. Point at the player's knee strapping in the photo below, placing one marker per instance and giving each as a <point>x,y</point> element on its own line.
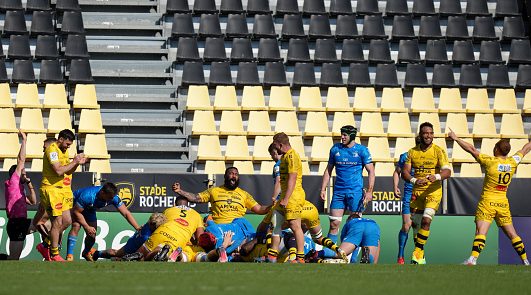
<point>317,236</point>
<point>519,247</point>
<point>277,220</point>
<point>478,245</point>
<point>421,238</point>
<point>429,213</point>
<point>335,218</point>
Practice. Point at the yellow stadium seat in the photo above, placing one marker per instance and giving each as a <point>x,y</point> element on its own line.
<point>337,100</point>
<point>231,123</point>
<point>204,123</point>
<point>342,119</point>
<point>433,118</point>
<point>214,167</point>
<point>36,165</point>
<point>31,121</point>
<point>225,99</point>
<point>310,100</point>
<point>280,99</point>
<point>527,102</point>
<point>365,100</point>
<point>253,99</point>
<point>470,170</point>
<point>58,120</point>
<point>371,125</point>
<point>484,126</point>
<point>459,155</point>
<point>516,145</point>
<point>384,168</point>
<point>320,148</point>
<point>505,102</point>
<point>458,123</point>
<point>403,145</point>
<point>379,149</point>
<point>90,122</point>
<point>266,167</point>
<point>261,144</point>
<point>198,98</point>
<point>244,167</point>
<point>7,120</point>
<point>399,125</point>
<point>209,148</point>
<point>305,168</point>
<point>85,97</point>
<point>5,96</point>
<point>7,163</point>
<point>512,126</point>
<point>477,101</point>
<point>316,124</point>
<point>287,122</point>
<point>27,96</point>
<point>96,146</point>
<point>55,97</point>
<point>34,145</point>
<point>298,145</point>
<point>392,100</point>
<point>72,150</point>
<point>450,101</point>
<point>10,145</point>
<point>259,123</point>
<point>422,101</point>
<point>322,167</point>
<point>522,171</point>
<point>441,142</point>
<point>100,166</point>
<point>237,148</point>
<point>487,146</point>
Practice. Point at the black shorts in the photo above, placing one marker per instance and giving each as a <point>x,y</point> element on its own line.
<point>17,228</point>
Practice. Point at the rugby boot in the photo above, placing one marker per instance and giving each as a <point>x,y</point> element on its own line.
<point>222,255</point>
<point>525,261</point>
<point>69,257</point>
<point>57,258</point>
<point>89,255</point>
<point>136,256</point>
<point>271,259</point>
<point>365,255</point>
<point>312,256</point>
<point>342,254</point>
<point>418,257</point>
<point>400,260</point>
<point>174,256</point>
<point>163,254</point>
<point>44,251</point>
<point>470,261</point>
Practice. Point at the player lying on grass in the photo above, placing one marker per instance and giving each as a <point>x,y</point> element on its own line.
<point>240,228</point>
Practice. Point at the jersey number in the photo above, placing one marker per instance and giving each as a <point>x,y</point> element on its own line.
<point>183,213</point>
<point>504,178</point>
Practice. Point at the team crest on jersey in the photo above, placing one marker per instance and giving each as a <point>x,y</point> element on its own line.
<point>126,192</point>
<point>54,156</point>
<point>229,201</point>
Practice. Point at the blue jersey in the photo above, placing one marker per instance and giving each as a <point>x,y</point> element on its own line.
<point>361,232</point>
<point>408,186</point>
<point>87,198</point>
<point>276,173</point>
<point>349,163</point>
<point>138,239</point>
<point>240,227</point>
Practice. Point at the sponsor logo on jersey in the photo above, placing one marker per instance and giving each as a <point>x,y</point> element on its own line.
<point>59,206</point>
<point>67,181</point>
<point>181,221</point>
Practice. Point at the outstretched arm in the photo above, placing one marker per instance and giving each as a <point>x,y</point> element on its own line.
<point>469,148</point>
<point>261,209</point>
<point>191,197</point>
<point>526,148</point>
<point>128,216</point>
<point>21,159</point>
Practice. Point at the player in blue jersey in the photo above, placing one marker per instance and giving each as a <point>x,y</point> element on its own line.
<point>349,159</point>
<point>361,232</point>
<point>86,202</point>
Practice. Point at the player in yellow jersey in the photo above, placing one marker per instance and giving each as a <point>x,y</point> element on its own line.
<point>55,192</point>
<point>499,171</point>
<point>182,222</point>
<point>431,167</point>
<point>289,207</point>
<point>228,201</point>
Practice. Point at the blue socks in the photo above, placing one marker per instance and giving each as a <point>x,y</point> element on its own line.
<point>402,240</point>
<point>72,240</point>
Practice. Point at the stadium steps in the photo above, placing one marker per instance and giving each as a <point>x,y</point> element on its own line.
<point>145,118</point>
<point>146,143</point>
<point>130,93</point>
<point>150,165</point>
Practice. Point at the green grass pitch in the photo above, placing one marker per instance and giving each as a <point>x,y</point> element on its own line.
<point>35,277</point>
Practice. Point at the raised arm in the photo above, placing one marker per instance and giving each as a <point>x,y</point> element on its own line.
<point>21,159</point>
<point>191,197</point>
<point>526,148</point>
<point>469,148</point>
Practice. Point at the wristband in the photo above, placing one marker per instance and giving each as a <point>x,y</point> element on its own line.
<point>438,176</point>
<point>413,180</point>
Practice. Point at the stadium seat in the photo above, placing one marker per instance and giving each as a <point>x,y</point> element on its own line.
<point>408,51</point>
<point>373,27</point>
<point>516,145</point>
<point>27,96</point>
<point>520,52</point>
<point>231,123</point>
<point>260,149</point>
<point>331,75</point>
<point>100,166</point>
<point>512,126</point>
<point>259,124</point>
<point>342,119</point>
<point>364,7</point>
<point>527,102</point>
<point>459,124</point>
<point>298,145</point>
<point>80,72</point>
<point>90,122</point>
<point>193,74</point>
<point>247,74</point>
<point>46,47</point>
<point>32,5</point>
<point>490,52</point>
<point>7,120</point>
<point>214,49</point>
<point>484,126</point>
<point>237,149</point>
<point>487,146</point>
<point>292,27</point>
<point>320,148</point>
<point>506,8</point>
<point>319,27</point>
<point>220,74</point>
<point>72,23</point>
<point>340,7</point>
<point>358,75</point>
<point>258,7</point>
<point>365,100</point>
<point>316,124</point>
<point>422,7</point>
<point>286,7</point>
<point>436,52</point>
<point>253,99</point>
<point>325,51</point>
<point>498,77</point>
<point>264,27</point>
<point>422,101</point>
<point>352,51</point>
<point>298,51</point>
<point>337,100</point>
<point>36,165</point>
<point>7,163</point>
<point>268,50</point>
<point>225,99</point>
<point>205,6</point>
<point>484,29</point>
<point>416,76</point>
<point>459,155</point>
<point>274,74</point>
<point>14,23</point>
<point>379,148</point>
<point>10,145</point>
<point>209,26</point>
<point>523,79</point>
<point>371,125</point>
<point>463,52</point>
<point>209,148</point>
<point>198,98</point>
<point>477,7</point>
<point>34,145</point>
<point>313,7</point>
<point>523,171</point>
<point>244,167</point>
<point>76,46</point>
<point>477,101</point>
<point>402,145</point>
<point>346,27</point>
<point>242,51</point>
<point>386,76</point>
<point>392,100</point>
<point>182,26</point>
<point>51,72</point>
<point>430,27</point>
<point>214,167</point>
<point>85,97</point>
<point>58,120</point>
<point>456,28</point>
<point>379,52</point>
<point>5,96</point>
<point>450,101</point>
<point>287,122</point>
<point>443,76</point>
<point>236,26</point>
<point>280,99</point>
<point>204,123</point>
<point>399,125</point>
<point>397,7</point>
<point>67,5</point>
<point>266,167</point>
<point>31,121</point>
<point>231,6</point>
<point>310,100</point>
<point>505,102</point>
<point>384,169</point>
<point>513,28</point>
<point>402,27</point>
<point>433,118</point>
<point>23,71</point>
<point>470,170</point>
<point>11,5</point>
